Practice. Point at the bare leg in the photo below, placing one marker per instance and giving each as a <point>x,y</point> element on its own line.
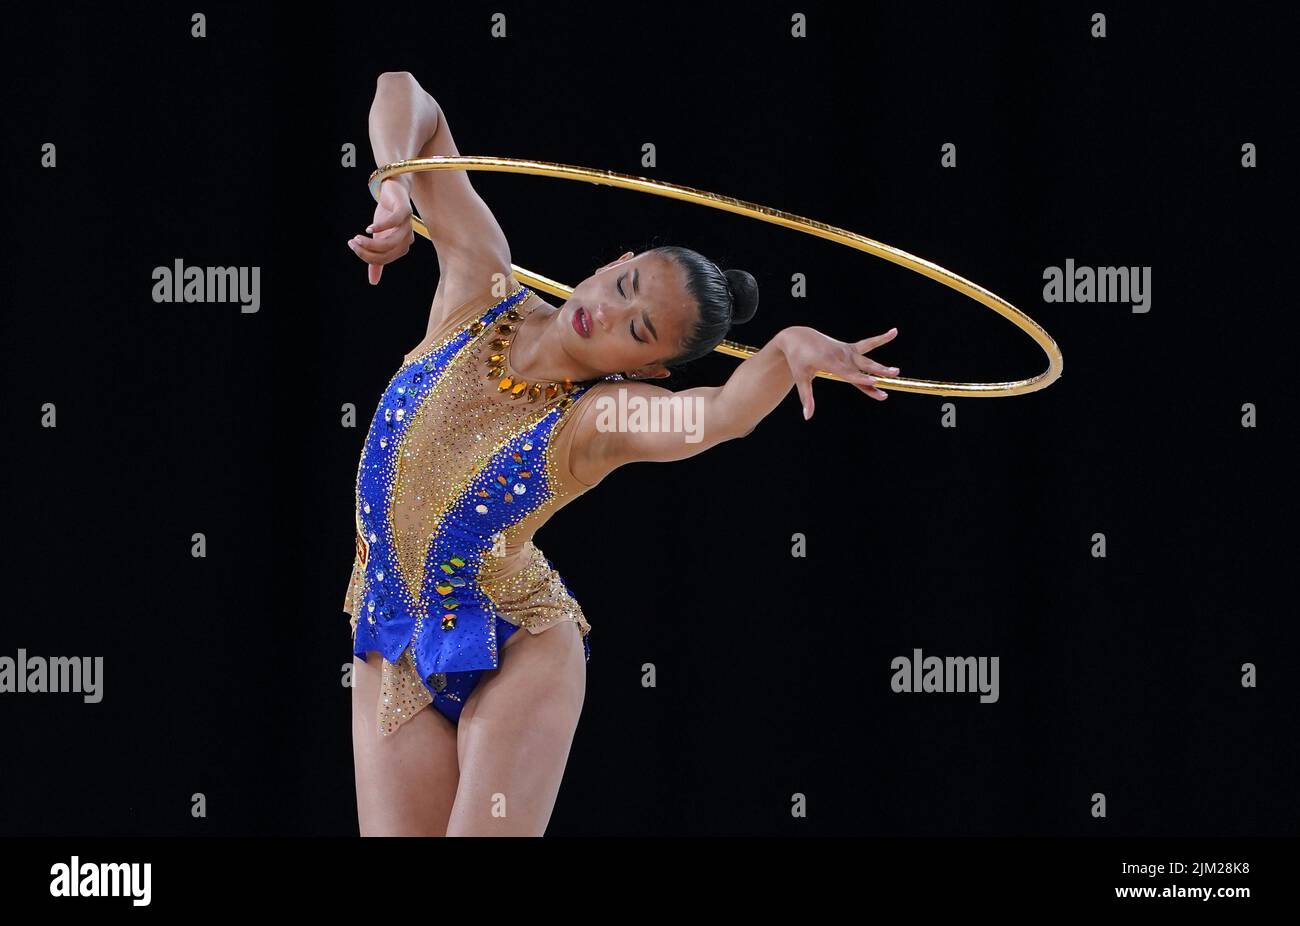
<point>515,733</point>
<point>406,782</point>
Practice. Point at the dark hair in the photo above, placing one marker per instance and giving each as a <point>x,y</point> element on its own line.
<point>725,299</point>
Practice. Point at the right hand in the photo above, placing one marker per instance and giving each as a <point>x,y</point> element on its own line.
<point>391,229</point>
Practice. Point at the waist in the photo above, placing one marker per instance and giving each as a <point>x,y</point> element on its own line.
<point>495,566</point>
<point>510,561</point>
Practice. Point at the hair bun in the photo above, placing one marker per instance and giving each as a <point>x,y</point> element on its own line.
<point>744,295</point>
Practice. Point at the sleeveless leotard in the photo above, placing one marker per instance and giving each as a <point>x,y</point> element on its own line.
<point>456,475</point>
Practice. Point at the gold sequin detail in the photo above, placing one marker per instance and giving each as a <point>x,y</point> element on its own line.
<point>532,596</point>
<point>401,693</point>
<point>454,432</point>
<point>448,440</point>
<point>498,364</point>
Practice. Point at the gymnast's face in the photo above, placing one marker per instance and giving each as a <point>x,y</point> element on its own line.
<point>629,316</point>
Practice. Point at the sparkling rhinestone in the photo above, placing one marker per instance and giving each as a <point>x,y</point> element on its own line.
<point>432,497</point>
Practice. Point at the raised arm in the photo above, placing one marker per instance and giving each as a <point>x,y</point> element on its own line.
<point>406,122</point>
<point>721,413</point>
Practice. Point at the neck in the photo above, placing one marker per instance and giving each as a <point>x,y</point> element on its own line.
<point>537,353</point>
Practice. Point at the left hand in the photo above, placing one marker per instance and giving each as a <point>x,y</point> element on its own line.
<point>391,229</point>
<point>809,352</point>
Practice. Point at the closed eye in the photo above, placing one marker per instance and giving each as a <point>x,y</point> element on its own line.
<point>631,326</point>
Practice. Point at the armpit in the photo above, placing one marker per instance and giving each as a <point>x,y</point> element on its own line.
<point>560,457</point>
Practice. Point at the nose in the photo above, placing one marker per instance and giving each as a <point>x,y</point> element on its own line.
<point>601,316</point>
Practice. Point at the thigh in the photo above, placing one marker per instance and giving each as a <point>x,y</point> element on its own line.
<point>515,733</point>
<point>406,781</point>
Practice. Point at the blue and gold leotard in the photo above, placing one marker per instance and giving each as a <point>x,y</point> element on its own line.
<point>457,473</point>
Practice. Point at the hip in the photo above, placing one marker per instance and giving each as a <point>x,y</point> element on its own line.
<point>530,593</point>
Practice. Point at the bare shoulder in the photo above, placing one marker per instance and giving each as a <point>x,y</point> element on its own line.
<point>583,435</point>
<point>629,421</point>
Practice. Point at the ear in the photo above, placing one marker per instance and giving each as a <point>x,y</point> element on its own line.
<point>626,255</point>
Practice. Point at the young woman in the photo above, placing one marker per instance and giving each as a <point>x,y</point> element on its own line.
<point>500,416</point>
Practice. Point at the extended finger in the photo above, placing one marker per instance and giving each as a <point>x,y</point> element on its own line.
<point>873,391</point>
<point>805,397</point>
<point>875,341</point>
<point>871,366</point>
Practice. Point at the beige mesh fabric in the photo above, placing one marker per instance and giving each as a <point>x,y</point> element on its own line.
<point>451,436</point>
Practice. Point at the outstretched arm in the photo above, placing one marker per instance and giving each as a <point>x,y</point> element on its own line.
<point>709,415</point>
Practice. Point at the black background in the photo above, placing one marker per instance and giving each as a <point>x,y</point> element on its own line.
<point>1119,675</point>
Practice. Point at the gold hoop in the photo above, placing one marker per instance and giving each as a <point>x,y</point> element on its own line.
<point>776,217</point>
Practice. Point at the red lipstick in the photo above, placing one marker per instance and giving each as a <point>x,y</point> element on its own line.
<point>582,322</point>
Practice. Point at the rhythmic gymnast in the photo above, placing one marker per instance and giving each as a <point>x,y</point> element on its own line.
<point>501,415</point>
